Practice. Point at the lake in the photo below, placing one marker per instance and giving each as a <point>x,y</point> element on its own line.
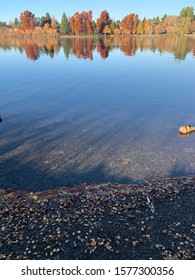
<point>88,110</point>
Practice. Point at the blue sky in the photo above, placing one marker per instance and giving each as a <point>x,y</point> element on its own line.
<point>117,9</point>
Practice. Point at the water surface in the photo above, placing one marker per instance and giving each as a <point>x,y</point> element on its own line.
<point>95,110</point>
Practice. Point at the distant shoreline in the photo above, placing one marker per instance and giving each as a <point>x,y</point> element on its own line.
<point>136,36</point>
<point>7,35</point>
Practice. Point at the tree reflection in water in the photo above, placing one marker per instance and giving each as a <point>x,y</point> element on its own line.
<point>84,47</point>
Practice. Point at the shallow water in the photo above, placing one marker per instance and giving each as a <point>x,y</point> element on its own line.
<point>88,110</point>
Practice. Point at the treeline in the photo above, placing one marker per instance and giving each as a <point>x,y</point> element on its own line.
<point>85,47</point>
<point>83,24</point>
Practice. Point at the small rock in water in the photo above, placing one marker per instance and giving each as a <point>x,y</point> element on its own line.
<point>93,242</point>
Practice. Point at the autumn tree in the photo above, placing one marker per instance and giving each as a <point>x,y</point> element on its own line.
<point>27,20</point>
<point>107,30</point>
<point>159,28</point>
<point>135,24</point>
<point>81,23</point>
<point>38,31</point>
<point>112,26</point>
<point>76,23</point>
<point>147,27</point>
<point>171,24</point>
<point>64,26</point>
<point>129,24</point>
<point>140,28</point>
<point>46,27</point>
<point>88,22</point>
<point>117,31</point>
<point>54,23</point>
<point>154,21</point>
<point>103,21</point>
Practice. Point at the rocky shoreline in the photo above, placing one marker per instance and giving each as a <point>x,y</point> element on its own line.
<point>155,220</point>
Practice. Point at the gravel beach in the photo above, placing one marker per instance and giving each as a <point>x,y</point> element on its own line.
<point>154,220</point>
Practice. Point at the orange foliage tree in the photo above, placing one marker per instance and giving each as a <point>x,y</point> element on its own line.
<point>46,26</point>
<point>54,24</point>
<point>103,21</point>
<point>159,28</point>
<point>107,30</point>
<point>76,23</point>
<point>147,27</point>
<point>169,25</point>
<point>135,24</point>
<point>129,24</point>
<point>88,22</point>
<point>28,21</point>
<point>81,23</point>
<point>117,31</point>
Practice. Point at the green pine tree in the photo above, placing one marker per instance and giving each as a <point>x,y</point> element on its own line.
<point>48,18</point>
<point>65,26</point>
<point>163,18</point>
<point>45,19</point>
<point>16,22</point>
<point>187,12</point>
